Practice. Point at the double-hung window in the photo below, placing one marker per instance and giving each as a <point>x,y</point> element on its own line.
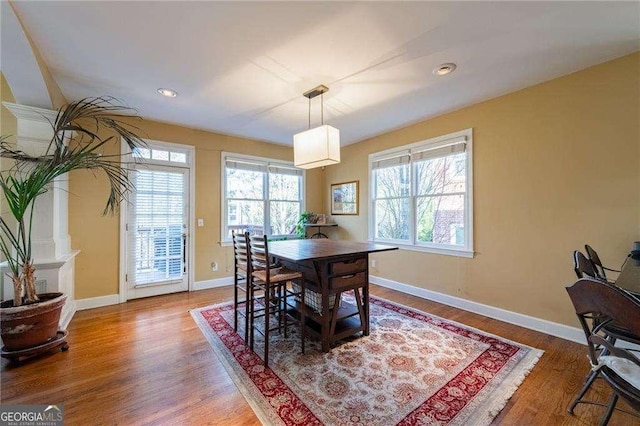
<point>421,195</point>
<point>260,195</point>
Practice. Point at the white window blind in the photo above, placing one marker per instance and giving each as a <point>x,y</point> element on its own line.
<point>155,227</point>
<point>454,147</point>
<point>392,161</point>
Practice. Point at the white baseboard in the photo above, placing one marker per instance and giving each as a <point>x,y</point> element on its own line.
<point>68,311</point>
<point>114,299</point>
<point>574,334</point>
<point>97,302</point>
<point>218,282</point>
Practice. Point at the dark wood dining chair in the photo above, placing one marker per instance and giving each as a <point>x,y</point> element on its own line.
<point>241,272</point>
<point>600,305</point>
<point>272,295</point>
<point>597,264</point>
<point>583,267</point>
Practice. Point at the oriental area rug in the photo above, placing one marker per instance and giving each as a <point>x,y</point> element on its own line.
<point>413,369</point>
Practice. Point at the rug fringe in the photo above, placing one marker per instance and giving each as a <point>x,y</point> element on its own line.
<point>518,380</point>
<point>493,408</point>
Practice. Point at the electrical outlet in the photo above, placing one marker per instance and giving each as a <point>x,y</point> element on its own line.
<point>214,266</point>
<point>374,263</point>
<point>200,222</point>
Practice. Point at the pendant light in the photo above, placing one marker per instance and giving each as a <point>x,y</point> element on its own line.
<point>319,146</point>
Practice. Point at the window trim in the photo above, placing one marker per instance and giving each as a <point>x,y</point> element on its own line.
<point>268,162</point>
<point>412,244</point>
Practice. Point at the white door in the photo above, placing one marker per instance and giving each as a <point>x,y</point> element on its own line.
<point>157,231</point>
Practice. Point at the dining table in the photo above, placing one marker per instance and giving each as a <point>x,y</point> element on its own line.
<point>331,268</point>
<point>629,278</point>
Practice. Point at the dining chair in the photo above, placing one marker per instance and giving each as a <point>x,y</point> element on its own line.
<point>597,264</point>
<point>618,366</point>
<point>241,271</point>
<point>272,295</point>
<point>583,267</point>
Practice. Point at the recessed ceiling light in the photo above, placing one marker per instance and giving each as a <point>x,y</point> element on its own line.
<point>168,92</point>
<point>444,69</point>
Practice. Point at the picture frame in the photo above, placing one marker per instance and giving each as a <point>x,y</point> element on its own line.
<point>345,198</point>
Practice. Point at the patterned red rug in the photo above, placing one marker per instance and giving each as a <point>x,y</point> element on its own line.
<point>414,368</point>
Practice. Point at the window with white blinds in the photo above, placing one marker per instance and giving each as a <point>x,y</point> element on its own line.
<point>156,226</point>
<point>260,195</point>
<point>421,195</point>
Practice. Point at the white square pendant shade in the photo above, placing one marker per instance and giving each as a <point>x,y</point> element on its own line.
<point>316,147</point>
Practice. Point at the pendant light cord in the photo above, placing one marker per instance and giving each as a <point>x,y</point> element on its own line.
<point>312,94</point>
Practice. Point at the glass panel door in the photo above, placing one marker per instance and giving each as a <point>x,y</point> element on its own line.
<point>157,231</point>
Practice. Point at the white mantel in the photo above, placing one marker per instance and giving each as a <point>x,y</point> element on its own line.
<point>52,254</point>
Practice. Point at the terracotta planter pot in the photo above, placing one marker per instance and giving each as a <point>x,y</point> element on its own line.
<point>31,325</point>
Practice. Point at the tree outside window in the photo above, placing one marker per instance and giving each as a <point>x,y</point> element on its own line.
<point>421,194</point>
<point>261,196</point>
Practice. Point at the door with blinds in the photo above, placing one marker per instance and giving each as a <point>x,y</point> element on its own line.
<point>157,232</point>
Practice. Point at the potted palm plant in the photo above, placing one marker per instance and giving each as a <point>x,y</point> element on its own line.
<point>81,131</point>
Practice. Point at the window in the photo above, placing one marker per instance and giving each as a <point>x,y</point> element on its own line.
<point>163,154</point>
<point>421,195</point>
<point>260,195</point>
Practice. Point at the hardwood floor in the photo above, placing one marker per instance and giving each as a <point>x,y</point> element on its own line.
<point>146,362</point>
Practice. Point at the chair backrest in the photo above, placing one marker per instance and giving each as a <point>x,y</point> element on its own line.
<point>595,261</point>
<point>605,300</point>
<point>240,251</point>
<point>259,252</point>
<point>583,267</point>
<point>611,306</point>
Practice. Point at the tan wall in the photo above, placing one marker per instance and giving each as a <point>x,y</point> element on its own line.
<point>98,237</point>
<point>556,166</point>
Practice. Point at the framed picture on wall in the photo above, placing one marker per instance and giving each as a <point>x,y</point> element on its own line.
<point>344,198</point>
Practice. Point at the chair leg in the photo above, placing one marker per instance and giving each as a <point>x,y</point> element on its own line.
<point>303,318</point>
<point>247,311</point>
<point>587,384</point>
<point>283,305</point>
<point>610,408</point>
<point>235,302</point>
<point>267,323</point>
<point>252,315</point>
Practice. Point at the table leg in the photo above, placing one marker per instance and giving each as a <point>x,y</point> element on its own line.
<point>365,302</point>
<point>318,234</point>
<point>325,335</point>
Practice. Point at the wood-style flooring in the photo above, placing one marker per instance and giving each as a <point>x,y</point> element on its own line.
<point>146,362</point>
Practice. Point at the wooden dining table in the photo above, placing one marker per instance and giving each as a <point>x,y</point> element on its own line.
<point>330,268</point>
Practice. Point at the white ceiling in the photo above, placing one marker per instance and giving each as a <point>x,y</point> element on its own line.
<point>241,67</point>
